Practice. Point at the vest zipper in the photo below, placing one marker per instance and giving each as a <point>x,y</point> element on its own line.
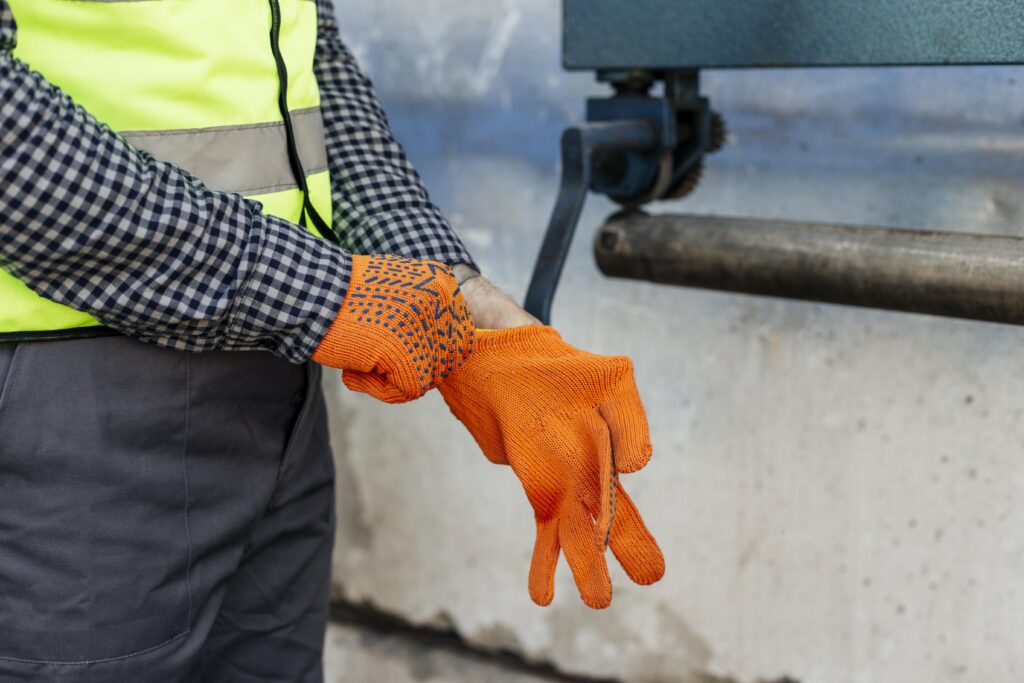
<point>293,151</point>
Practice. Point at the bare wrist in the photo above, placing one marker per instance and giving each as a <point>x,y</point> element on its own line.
<point>491,308</point>
<point>464,273</point>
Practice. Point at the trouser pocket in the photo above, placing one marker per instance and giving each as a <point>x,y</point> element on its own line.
<point>7,354</point>
<point>94,537</point>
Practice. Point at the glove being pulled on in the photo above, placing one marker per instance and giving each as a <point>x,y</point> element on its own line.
<point>567,422</point>
<point>402,327</point>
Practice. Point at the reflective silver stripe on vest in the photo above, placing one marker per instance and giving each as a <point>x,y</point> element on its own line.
<point>248,160</point>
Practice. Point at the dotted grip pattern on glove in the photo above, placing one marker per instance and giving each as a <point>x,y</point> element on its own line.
<point>567,422</point>
<point>402,327</point>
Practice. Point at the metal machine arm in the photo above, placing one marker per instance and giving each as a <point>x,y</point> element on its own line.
<point>579,146</point>
<point>633,148</point>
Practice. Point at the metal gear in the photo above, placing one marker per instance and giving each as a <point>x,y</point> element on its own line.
<point>688,183</point>
<point>691,178</point>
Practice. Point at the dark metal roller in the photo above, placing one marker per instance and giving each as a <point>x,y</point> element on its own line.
<point>980,277</point>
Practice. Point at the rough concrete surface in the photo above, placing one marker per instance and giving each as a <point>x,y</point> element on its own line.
<point>839,492</point>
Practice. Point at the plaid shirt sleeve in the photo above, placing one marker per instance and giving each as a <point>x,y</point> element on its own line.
<point>6,27</point>
<point>380,203</point>
<point>88,221</point>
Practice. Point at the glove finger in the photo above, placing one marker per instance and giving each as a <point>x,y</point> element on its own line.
<point>633,544</point>
<point>627,422</point>
<point>376,385</point>
<point>544,562</point>
<point>585,555</point>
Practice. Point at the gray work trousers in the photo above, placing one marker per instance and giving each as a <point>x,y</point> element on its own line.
<point>164,516</point>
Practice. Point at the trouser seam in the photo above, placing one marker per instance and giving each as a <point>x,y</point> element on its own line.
<point>98,661</point>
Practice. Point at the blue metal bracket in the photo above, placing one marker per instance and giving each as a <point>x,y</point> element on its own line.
<point>579,145</point>
<point>634,148</point>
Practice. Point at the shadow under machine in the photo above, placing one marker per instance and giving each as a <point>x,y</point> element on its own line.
<point>638,148</point>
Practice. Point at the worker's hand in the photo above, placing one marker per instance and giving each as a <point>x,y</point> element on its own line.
<point>402,327</point>
<point>491,308</point>
<point>568,422</point>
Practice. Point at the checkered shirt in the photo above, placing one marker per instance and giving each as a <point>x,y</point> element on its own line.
<point>88,221</point>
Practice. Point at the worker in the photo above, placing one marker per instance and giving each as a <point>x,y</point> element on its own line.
<point>201,204</point>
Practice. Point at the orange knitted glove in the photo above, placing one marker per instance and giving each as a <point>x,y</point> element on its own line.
<point>402,327</point>
<point>568,422</point>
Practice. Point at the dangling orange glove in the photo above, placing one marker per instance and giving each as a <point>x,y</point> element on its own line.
<point>402,327</point>
<point>568,422</point>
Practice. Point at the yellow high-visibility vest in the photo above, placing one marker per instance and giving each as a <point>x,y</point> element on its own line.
<point>197,83</point>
